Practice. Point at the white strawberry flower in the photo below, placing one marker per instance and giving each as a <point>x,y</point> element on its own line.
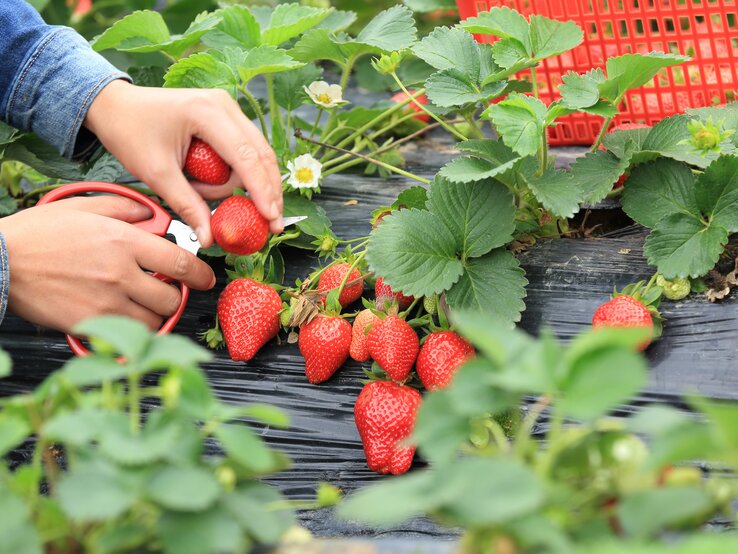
<point>304,172</point>
<point>325,95</point>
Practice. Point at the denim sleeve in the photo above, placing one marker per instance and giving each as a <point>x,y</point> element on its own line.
<point>4,277</point>
<point>49,76</point>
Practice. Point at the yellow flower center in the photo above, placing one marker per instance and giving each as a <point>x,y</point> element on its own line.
<point>304,175</point>
<point>324,98</point>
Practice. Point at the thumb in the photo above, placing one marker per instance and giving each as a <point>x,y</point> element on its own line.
<point>117,207</point>
<point>185,201</point>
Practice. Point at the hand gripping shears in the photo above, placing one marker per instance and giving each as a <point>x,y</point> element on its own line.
<point>160,224</point>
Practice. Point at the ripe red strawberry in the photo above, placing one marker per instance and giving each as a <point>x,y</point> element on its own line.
<point>324,343</point>
<point>440,356</point>
<point>248,313</point>
<point>385,416</point>
<point>359,350</point>
<point>624,311</point>
<point>332,278</point>
<point>386,296</point>
<point>394,345</point>
<point>422,99</point>
<point>204,164</point>
<point>238,227</point>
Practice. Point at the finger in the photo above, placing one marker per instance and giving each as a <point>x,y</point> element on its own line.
<point>118,207</point>
<point>171,185</point>
<point>248,154</point>
<point>218,192</point>
<point>154,294</point>
<point>157,254</point>
<point>142,314</point>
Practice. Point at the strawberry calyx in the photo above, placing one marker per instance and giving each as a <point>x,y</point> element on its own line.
<point>376,373</point>
<point>213,337</point>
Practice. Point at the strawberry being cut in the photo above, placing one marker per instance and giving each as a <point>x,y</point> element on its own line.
<point>394,345</point>
<point>441,355</point>
<point>386,296</point>
<point>422,99</point>
<point>324,343</point>
<point>624,311</point>
<point>248,313</point>
<point>204,164</point>
<point>238,227</point>
<point>385,416</point>
<point>332,278</point>
<point>359,350</point>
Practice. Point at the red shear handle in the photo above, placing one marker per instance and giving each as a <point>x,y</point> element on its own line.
<point>79,349</point>
<point>157,225</point>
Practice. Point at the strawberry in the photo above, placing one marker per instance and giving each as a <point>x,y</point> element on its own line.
<point>422,99</point>
<point>440,356</point>
<point>385,416</point>
<point>238,227</point>
<point>81,7</point>
<point>359,350</point>
<point>394,345</point>
<point>204,164</point>
<point>624,311</point>
<point>324,343</point>
<point>332,278</point>
<point>248,312</point>
<point>386,296</point>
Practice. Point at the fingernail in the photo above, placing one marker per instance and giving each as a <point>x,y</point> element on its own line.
<point>200,232</point>
<point>274,210</point>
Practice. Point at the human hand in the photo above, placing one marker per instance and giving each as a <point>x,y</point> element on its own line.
<point>149,130</point>
<point>79,258</point>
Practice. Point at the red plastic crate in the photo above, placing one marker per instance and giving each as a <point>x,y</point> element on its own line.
<point>706,30</point>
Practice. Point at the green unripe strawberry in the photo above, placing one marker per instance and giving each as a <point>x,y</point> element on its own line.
<point>674,289</point>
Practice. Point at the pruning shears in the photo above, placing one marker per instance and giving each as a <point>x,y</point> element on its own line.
<point>160,224</point>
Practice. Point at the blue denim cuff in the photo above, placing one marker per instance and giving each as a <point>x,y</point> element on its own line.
<point>55,87</point>
<point>4,277</point>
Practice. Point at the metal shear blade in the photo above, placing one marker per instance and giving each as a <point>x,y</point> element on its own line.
<point>187,239</point>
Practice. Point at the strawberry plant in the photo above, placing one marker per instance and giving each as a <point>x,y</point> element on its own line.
<point>184,479</point>
<point>588,482</point>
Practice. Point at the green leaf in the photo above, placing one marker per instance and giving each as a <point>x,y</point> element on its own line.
<point>44,158</point>
<point>550,37</point>
<point>212,532</point>
<point>414,252</point>
<point>595,174</point>
<point>623,369</point>
<point>519,120</point>
<point>338,20</point>
<point>492,159</point>
<point>13,431</point>
<point>107,168</point>
<point>263,60</point>
<point>413,197</point>
<point>19,535</point>
<point>498,341</point>
<point>390,30</point>
<point>450,87</point>
<point>448,48</point>
<point>267,414</point>
<point>290,20</point>
<point>246,448</point>
<point>316,45</point>
<point>480,215</point>
<point>93,370</point>
<point>494,283</point>
<point>501,22</point>
<point>716,192</point>
<point>668,137</point>
<point>439,428</point>
<point>317,222</point>
<point>238,28</point>
<point>202,71</point>
<point>424,6</point>
<point>619,141</point>
<point>75,428</point>
<point>6,364</point>
<point>183,489</point>
<point>557,191</point>
<point>147,76</point>
<point>8,205</point>
<point>289,90</point>
<point>128,337</point>
<point>167,351</point>
<point>126,448</point>
<point>251,505</point>
<point>631,71</point>
<point>93,494</point>
<point>659,189</point>
<point>645,513</point>
<point>509,53</point>
<point>683,245</point>
<point>581,91</point>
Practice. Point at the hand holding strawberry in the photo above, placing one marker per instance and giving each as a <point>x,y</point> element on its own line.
<point>204,164</point>
<point>238,227</point>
